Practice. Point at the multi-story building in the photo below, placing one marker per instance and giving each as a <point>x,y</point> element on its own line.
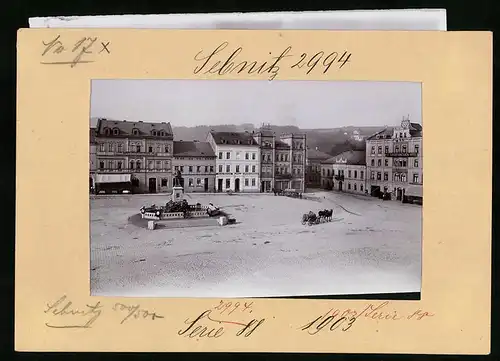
<point>92,157</point>
<point>141,151</point>
<point>290,162</point>
<point>394,159</point>
<point>266,139</point>
<point>237,161</point>
<point>327,173</point>
<point>196,163</point>
<point>314,157</point>
<point>349,172</point>
<point>283,160</point>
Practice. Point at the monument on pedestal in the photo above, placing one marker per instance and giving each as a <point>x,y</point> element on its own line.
<point>177,189</point>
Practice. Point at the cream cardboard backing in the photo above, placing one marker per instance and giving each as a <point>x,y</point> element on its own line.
<point>52,250</point>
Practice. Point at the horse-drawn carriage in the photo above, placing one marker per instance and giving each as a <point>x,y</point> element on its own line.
<point>322,216</point>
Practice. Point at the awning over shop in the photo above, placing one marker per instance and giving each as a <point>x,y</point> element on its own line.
<point>414,191</point>
<point>113,178</point>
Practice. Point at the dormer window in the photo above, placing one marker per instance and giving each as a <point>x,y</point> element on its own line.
<point>154,133</point>
<point>162,133</point>
<point>135,131</point>
<point>116,131</point>
<point>107,131</point>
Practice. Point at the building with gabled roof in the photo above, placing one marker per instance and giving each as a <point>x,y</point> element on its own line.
<point>141,151</point>
<point>314,157</point>
<point>237,161</point>
<point>349,172</point>
<point>196,162</point>
<point>394,160</point>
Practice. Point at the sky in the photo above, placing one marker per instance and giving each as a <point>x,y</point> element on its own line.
<point>305,104</point>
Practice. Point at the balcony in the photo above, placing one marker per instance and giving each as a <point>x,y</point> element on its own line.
<point>283,176</point>
<point>133,152</point>
<point>134,170</point>
<point>401,154</point>
<point>339,177</point>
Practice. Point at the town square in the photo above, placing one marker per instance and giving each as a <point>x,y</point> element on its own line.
<point>266,210</point>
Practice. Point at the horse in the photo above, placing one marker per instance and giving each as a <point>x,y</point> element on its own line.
<point>328,214</point>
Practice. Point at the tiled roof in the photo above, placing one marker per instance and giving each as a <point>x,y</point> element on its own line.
<point>415,130</point>
<point>331,160</point>
<point>353,157</point>
<point>281,145</point>
<point>233,138</point>
<point>386,132</point>
<point>193,149</point>
<point>125,128</point>
<point>92,136</point>
<point>317,155</point>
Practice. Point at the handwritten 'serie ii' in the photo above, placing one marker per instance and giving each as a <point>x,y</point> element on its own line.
<point>213,323</point>
<point>221,61</point>
<point>73,53</point>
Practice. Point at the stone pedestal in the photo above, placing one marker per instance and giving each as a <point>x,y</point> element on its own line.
<point>222,221</point>
<point>151,225</point>
<point>177,194</point>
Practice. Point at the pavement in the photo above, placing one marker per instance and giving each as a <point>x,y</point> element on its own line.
<point>371,246</point>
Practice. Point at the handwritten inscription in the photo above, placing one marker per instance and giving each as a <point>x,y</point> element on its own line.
<point>343,320</point>
<point>215,322</point>
<point>135,311</point>
<point>66,315</point>
<point>221,63</point>
<point>80,51</point>
<point>230,307</point>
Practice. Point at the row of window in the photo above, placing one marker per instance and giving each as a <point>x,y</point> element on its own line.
<point>397,177</point>
<point>135,131</point>
<point>295,145</point>
<point>112,147</point>
<point>247,182</point>
<point>133,164</point>
<point>396,163</point>
<point>237,168</point>
<point>350,173</point>
<point>354,187</point>
<point>248,155</point>
<point>199,168</point>
<point>397,149</point>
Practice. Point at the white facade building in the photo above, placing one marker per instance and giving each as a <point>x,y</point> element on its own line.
<point>237,164</point>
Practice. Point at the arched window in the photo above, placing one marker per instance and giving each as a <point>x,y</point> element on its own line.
<point>138,164</point>
<point>167,149</point>
<point>107,131</point>
<point>116,131</point>
<point>162,133</point>
<point>131,164</point>
<point>135,131</point>
<point>154,133</point>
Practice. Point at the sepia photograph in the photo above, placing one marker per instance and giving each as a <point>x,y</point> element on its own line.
<point>255,188</point>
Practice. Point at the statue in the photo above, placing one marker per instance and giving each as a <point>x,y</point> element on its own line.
<point>178,179</point>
